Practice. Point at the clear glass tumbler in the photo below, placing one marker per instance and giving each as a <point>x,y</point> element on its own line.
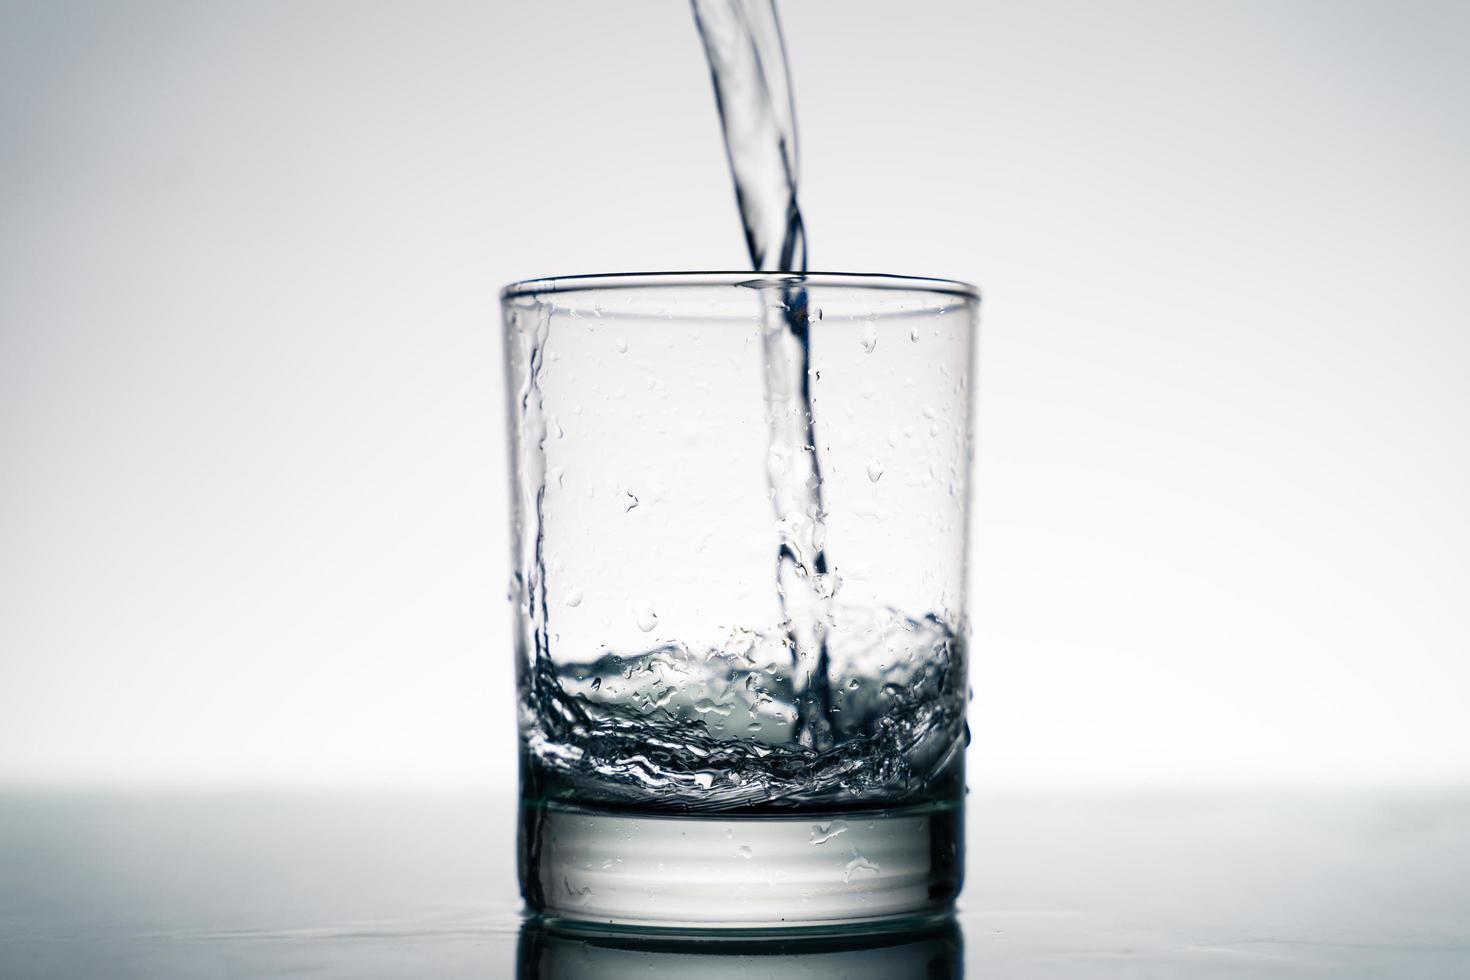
<point>740,521</point>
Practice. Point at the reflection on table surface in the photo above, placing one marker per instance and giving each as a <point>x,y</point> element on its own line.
<point>933,951</point>
<point>1340,883</point>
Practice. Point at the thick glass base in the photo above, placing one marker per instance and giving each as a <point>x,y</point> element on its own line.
<point>723,872</point>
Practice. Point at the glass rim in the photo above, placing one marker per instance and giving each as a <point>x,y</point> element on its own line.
<point>632,280</point>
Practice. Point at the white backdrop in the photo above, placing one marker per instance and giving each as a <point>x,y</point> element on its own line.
<point>252,482</point>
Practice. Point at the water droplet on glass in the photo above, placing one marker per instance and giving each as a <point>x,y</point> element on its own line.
<point>822,833</point>
<point>745,852</point>
<point>596,683</point>
<point>826,584</point>
<point>647,618</point>
<point>707,706</point>
<point>875,470</point>
<point>622,345</point>
<point>574,598</point>
<point>914,334</point>
<point>859,863</point>
<point>870,336</point>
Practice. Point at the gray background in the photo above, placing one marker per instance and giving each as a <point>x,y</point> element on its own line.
<point>252,481</point>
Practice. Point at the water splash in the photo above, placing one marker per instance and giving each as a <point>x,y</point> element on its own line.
<point>709,729</point>
<point>526,356</point>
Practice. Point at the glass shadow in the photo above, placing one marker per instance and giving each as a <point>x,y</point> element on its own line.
<point>548,952</point>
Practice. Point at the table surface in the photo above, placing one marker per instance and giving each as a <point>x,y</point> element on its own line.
<point>1096,884</point>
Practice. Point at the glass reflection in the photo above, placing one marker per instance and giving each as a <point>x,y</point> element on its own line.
<point>550,953</point>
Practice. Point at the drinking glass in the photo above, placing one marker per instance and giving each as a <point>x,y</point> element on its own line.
<point>740,513</point>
